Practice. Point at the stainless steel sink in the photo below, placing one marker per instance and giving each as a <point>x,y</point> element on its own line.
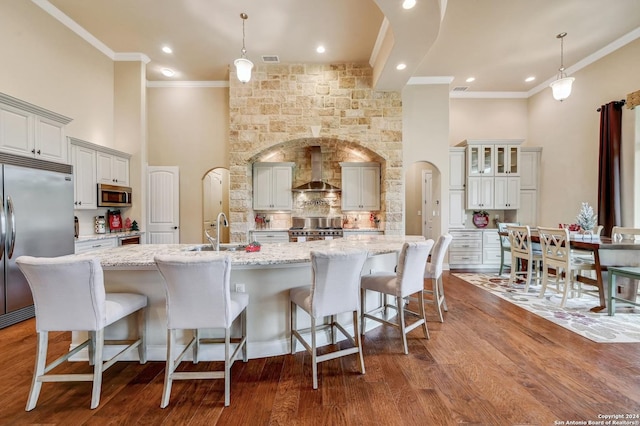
<point>223,247</point>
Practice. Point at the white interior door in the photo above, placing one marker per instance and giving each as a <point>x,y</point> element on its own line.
<point>163,205</point>
<point>428,211</point>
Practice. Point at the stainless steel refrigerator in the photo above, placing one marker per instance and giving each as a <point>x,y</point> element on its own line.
<point>36,220</point>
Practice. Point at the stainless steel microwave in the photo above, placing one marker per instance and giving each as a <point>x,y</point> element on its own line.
<point>114,196</point>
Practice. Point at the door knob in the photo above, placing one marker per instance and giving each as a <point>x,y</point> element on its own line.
<point>175,227</point>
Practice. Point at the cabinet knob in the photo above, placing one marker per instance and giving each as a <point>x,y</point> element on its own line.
<point>38,152</point>
<point>79,203</point>
<point>175,227</point>
<point>33,151</point>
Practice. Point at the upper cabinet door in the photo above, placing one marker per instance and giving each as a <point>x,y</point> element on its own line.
<point>507,160</point>
<point>272,186</point>
<point>84,177</point>
<point>31,131</point>
<point>480,160</point>
<point>360,186</point>
<point>112,169</point>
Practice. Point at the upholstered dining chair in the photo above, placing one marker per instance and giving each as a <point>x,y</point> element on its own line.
<point>505,244</point>
<point>69,295</point>
<point>556,256</point>
<point>523,251</point>
<point>407,281</point>
<point>199,296</point>
<point>334,290</point>
<point>433,273</point>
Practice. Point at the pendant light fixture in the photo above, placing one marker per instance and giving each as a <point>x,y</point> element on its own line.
<point>243,65</point>
<point>562,86</point>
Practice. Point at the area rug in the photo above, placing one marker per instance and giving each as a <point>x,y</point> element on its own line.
<point>623,327</point>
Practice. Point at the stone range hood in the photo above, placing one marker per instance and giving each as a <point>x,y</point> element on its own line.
<point>316,184</point>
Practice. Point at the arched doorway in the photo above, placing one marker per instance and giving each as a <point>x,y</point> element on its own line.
<point>215,200</point>
<point>423,197</point>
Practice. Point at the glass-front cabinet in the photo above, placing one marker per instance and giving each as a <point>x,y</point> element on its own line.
<point>480,160</point>
<point>507,160</point>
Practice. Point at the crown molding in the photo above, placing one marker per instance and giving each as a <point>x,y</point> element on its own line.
<point>131,57</point>
<point>73,26</point>
<point>488,95</point>
<point>215,84</point>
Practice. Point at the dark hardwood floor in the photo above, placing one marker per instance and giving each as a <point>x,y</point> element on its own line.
<point>489,363</point>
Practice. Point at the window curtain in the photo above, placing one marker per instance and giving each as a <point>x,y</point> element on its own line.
<point>609,202</point>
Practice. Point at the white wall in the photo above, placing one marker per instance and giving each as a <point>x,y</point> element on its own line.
<point>568,133</point>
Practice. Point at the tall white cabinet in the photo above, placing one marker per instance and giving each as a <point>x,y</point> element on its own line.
<point>31,131</point>
<point>457,213</point>
<point>360,186</point>
<point>529,186</point>
<point>272,184</point>
<point>493,174</point>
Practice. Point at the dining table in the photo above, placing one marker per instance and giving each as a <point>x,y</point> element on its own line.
<point>606,252</point>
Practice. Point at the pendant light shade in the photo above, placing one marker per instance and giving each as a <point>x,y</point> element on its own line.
<point>243,69</point>
<point>561,88</point>
<point>242,64</point>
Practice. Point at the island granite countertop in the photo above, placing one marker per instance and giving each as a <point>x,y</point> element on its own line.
<point>141,256</point>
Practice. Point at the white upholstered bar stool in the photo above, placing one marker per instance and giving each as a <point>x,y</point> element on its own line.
<point>433,272</point>
<point>334,289</point>
<point>524,250</point>
<point>556,255</point>
<point>407,281</point>
<point>69,295</point>
<point>199,296</point>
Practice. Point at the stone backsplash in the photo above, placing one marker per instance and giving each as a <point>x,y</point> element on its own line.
<point>276,115</point>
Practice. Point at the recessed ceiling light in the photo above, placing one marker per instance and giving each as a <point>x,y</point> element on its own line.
<point>167,49</point>
<point>400,67</point>
<point>167,72</point>
<point>408,4</point>
<point>470,79</point>
<point>529,79</point>
<point>320,49</point>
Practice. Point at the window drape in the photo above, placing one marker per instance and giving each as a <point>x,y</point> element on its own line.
<point>609,175</point>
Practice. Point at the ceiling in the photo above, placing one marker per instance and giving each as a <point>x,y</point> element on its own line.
<point>499,42</point>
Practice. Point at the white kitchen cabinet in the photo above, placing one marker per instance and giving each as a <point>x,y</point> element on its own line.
<point>506,193</point>
<point>480,193</point>
<point>490,247</point>
<point>480,160</point>
<point>528,211</point>
<point>529,165</point>
<point>360,186</point>
<point>101,244</point>
<point>456,168</point>
<point>507,160</point>
<point>457,213</point>
<point>83,160</point>
<point>465,249</point>
<point>269,236</point>
<point>272,184</point>
<point>31,131</point>
<point>112,169</point>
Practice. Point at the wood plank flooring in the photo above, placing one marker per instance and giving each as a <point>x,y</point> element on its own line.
<point>489,363</point>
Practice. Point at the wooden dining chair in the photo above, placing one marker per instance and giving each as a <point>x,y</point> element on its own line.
<point>559,268</point>
<point>624,233</point>
<point>505,245</point>
<point>523,252</point>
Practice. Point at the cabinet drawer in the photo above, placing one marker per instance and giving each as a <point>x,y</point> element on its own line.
<point>457,245</point>
<point>466,235</point>
<point>465,258</point>
<point>491,257</point>
<point>84,246</point>
<point>491,239</point>
<point>270,237</point>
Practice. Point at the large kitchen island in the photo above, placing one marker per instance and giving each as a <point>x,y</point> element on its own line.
<point>266,276</point>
